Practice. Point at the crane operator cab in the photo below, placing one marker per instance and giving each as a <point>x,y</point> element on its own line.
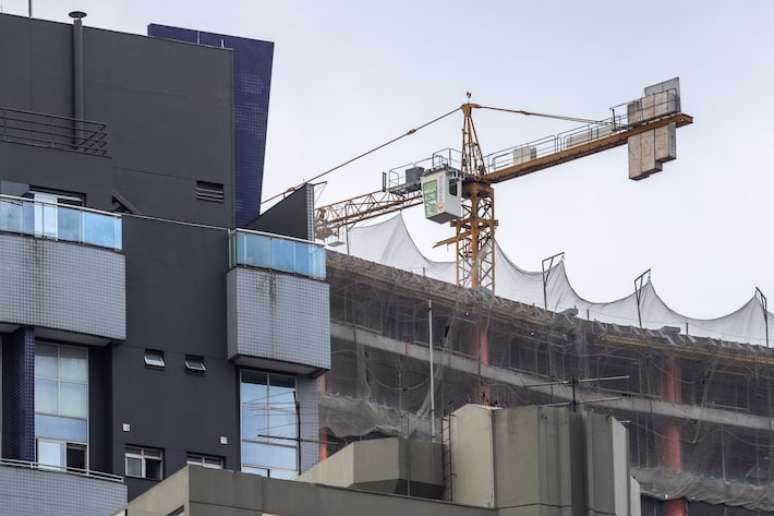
<point>442,194</point>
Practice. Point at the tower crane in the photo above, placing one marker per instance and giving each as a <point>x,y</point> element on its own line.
<point>457,186</point>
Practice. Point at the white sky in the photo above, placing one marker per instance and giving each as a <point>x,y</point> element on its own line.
<point>349,75</point>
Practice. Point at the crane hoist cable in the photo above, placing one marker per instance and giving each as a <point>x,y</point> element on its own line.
<point>351,160</point>
<point>420,127</point>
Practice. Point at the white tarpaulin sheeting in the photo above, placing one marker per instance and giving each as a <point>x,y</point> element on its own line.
<point>390,244</point>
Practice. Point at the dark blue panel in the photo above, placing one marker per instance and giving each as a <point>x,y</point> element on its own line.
<point>252,82</point>
<point>19,395</point>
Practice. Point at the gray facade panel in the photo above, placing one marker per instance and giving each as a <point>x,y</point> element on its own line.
<point>62,286</point>
<point>278,317</point>
<point>50,493</point>
<point>309,414</point>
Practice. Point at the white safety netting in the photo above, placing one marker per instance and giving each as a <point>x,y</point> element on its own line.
<point>389,243</point>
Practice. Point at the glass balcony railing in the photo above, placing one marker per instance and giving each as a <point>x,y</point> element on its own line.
<point>277,253</point>
<point>60,222</point>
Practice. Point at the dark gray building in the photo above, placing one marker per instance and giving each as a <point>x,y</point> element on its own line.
<point>141,329</point>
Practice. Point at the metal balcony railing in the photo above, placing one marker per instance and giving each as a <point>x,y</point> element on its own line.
<point>60,222</point>
<point>60,469</point>
<point>282,254</point>
<point>55,132</point>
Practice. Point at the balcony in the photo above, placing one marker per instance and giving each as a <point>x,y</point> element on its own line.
<point>62,272</point>
<point>281,254</point>
<point>31,488</point>
<point>278,304</point>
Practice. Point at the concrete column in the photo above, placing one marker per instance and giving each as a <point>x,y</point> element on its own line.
<point>672,453</point>
<point>19,395</point>
<point>483,394</point>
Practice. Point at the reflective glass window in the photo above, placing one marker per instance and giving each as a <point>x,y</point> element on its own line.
<point>269,421</point>
<point>61,404</point>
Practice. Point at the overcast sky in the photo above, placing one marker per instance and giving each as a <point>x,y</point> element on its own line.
<point>350,75</point>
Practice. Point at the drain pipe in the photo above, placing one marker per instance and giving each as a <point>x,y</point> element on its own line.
<point>77,17</point>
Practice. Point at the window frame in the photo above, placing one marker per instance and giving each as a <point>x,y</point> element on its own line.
<point>277,441</point>
<point>161,362</point>
<point>200,459</point>
<point>59,379</point>
<point>143,453</point>
<point>191,362</point>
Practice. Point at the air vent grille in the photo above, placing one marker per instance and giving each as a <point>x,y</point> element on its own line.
<point>206,191</point>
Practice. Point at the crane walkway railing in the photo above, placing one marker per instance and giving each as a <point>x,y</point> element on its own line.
<point>622,118</point>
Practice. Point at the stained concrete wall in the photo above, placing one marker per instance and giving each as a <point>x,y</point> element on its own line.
<point>472,456</point>
<point>539,460</point>
<point>63,286</point>
<point>209,492</point>
<point>278,317</point>
<point>51,493</point>
<point>392,465</point>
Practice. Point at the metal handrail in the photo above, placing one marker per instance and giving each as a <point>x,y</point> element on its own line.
<point>53,131</point>
<point>15,198</point>
<point>87,473</point>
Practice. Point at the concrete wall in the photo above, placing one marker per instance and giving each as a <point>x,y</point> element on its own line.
<point>278,317</point>
<point>227,493</point>
<point>472,456</point>
<point>49,493</point>
<point>540,461</point>
<point>62,286</point>
<point>167,106</point>
<point>176,287</point>
<point>252,82</point>
<point>392,465</point>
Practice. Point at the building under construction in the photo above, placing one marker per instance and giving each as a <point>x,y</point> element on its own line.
<point>698,409</point>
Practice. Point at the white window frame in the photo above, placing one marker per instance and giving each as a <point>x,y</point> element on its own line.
<point>268,441</point>
<point>195,364</point>
<point>142,454</point>
<point>200,459</point>
<point>154,358</point>
<point>59,381</point>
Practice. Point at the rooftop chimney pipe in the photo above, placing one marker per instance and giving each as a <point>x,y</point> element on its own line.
<point>77,17</point>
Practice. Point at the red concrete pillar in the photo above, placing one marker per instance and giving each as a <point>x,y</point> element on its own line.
<point>673,452</point>
<point>323,432</point>
<point>482,345</point>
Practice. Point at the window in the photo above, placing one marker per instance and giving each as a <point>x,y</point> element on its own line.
<point>208,461</point>
<point>453,187</point>
<point>144,463</point>
<point>269,420</point>
<point>195,364</point>
<point>154,358</point>
<point>61,405</point>
<point>207,191</point>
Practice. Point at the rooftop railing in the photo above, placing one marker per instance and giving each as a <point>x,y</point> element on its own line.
<point>61,469</point>
<point>52,131</point>
<point>283,254</point>
<point>60,222</point>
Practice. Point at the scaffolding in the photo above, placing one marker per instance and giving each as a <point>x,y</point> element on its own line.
<point>699,410</point>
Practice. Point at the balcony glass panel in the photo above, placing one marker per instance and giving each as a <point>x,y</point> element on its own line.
<point>60,222</point>
<point>278,253</point>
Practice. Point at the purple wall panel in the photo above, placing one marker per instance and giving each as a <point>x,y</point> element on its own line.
<point>19,395</point>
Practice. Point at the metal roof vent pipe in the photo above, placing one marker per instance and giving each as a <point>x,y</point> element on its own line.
<point>77,17</point>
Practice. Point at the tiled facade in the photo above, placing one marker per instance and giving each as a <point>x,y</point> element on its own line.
<point>278,317</point>
<point>62,286</point>
<point>50,493</point>
<point>19,395</point>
